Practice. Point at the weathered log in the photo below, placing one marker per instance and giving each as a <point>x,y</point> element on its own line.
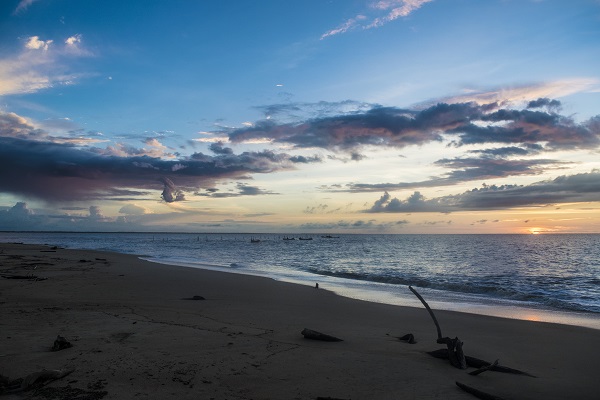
<point>314,335</point>
<point>479,363</point>
<point>478,393</point>
<point>484,368</point>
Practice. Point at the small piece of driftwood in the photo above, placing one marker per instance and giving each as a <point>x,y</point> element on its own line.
<point>29,277</point>
<point>408,338</point>
<point>314,335</point>
<point>61,343</point>
<point>477,393</point>
<point>194,298</point>
<point>484,368</point>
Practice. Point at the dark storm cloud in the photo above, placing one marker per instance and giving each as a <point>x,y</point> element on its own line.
<point>35,165</point>
<point>574,189</point>
<point>467,123</point>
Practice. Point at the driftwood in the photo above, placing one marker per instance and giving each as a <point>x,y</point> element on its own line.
<point>30,277</point>
<point>329,398</point>
<point>44,376</point>
<point>408,338</point>
<point>435,321</point>
<point>314,335</point>
<point>454,346</point>
<point>34,380</point>
<point>477,393</point>
<point>194,298</point>
<point>479,363</point>
<point>484,368</point>
<point>61,343</point>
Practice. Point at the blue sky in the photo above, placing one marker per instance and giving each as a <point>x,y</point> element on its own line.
<point>393,116</point>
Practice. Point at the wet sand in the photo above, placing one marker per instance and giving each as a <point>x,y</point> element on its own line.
<point>136,335</point>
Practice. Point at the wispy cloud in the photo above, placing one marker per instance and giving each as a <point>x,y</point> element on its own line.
<point>345,27</point>
<point>40,64</point>
<point>385,11</point>
<point>395,9</point>
<point>523,93</point>
<point>23,6</point>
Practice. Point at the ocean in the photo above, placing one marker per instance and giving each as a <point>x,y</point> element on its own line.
<point>549,278</point>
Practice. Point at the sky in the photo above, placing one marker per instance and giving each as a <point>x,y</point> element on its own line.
<point>308,117</point>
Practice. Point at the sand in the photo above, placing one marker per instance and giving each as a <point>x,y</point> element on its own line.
<point>134,336</point>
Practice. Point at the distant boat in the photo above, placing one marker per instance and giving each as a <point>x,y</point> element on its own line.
<point>288,238</point>
<point>253,240</point>
<point>330,237</point>
<point>308,238</point>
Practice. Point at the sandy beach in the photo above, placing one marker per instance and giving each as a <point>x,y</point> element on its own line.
<point>136,333</point>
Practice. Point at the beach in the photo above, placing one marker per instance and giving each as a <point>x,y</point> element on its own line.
<point>137,332</point>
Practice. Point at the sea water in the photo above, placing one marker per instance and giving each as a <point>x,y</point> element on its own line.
<point>551,278</point>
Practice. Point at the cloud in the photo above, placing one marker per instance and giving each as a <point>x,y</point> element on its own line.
<point>74,46</point>
<point>395,9</point>
<point>23,6</point>
<point>39,65</point>
<point>132,209</point>
<point>34,43</point>
<point>345,27</point>
<point>385,11</point>
<point>73,40</point>
<point>96,213</point>
<point>38,166</point>
<point>579,188</point>
<point>242,190</point>
<point>372,225</point>
<point>524,93</point>
<point>544,102</point>
<point>463,123</point>
<point>170,192</point>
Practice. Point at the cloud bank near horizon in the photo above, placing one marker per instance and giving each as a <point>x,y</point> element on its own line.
<point>578,188</point>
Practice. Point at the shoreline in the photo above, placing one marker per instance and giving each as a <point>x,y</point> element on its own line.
<point>447,301</point>
<point>134,335</point>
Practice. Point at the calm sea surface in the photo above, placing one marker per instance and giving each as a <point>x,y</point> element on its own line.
<point>554,278</point>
